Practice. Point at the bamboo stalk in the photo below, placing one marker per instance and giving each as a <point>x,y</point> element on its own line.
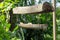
<point>54,20</point>
<point>33,26</point>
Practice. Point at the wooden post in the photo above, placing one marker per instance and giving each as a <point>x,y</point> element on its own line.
<point>12,20</point>
<point>54,19</point>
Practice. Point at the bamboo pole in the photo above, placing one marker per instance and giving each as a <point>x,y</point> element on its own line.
<point>33,26</point>
<point>54,19</point>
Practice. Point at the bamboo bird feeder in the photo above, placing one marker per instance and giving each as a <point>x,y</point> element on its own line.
<point>40,8</point>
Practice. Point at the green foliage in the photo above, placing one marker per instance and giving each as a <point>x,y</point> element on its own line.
<point>58,0</point>
<point>4,25</point>
<point>5,6</point>
<point>21,33</point>
<point>3,28</point>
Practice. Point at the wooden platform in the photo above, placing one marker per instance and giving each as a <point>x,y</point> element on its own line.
<point>45,7</point>
<point>33,26</point>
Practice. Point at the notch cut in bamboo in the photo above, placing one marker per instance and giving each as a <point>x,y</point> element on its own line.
<point>33,26</point>
<point>40,8</point>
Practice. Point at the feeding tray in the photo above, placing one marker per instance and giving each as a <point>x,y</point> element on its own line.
<point>40,8</point>
<point>33,26</point>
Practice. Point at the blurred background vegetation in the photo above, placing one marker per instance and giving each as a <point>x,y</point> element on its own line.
<point>17,33</point>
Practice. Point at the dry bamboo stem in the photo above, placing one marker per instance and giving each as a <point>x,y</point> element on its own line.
<point>33,26</point>
<point>54,20</point>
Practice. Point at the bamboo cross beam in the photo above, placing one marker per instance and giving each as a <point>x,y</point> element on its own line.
<point>40,8</point>
<point>33,26</point>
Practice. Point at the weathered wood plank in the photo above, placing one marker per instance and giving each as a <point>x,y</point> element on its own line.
<point>33,26</point>
<point>28,9</point>
<point>33,9</point>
